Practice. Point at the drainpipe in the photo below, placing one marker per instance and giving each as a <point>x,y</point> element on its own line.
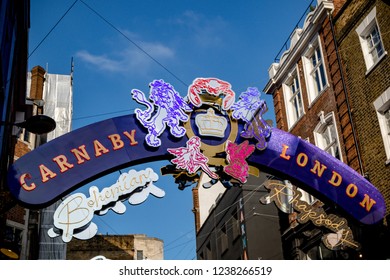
<point>346,96</point>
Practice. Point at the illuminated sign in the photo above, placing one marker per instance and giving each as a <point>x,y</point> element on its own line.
<point>215,88</point>
<point>171,109</point>
<point>191,158</point>
<point>211,125</point>
<point>283,194</point>
<point>73,217</point>
<point>250,108</point>
<point>209,132</point>
<point>236,156</point>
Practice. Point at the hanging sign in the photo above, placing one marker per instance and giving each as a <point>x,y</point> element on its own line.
<point>206,131</point>
<point>73,217</point>
<point>283,194</point>
<point>62,165</point>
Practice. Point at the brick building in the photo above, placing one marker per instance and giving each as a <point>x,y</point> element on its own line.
<point>116,247</point>
<point>331,88</point>
<point>45,93</point>
<point>367,83</point>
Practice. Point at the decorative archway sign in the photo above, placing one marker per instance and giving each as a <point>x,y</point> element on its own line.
<point>206,131</point>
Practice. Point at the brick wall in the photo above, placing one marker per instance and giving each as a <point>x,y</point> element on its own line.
<point>16,214</point>
<point>364,88</point>
<point>112,247</point>
<point>115,247</point>
<point>326,102</point>
<point>21,148</point>
<point>195,210</point>
<point>37,81</point>
<point>338,4</point>
<point>347,131</point>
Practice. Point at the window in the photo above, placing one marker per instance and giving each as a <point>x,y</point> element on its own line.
<point>314,69</point>
<point>13,235</point>
<point>382,107</point>
<point>140,254</point>
<point>224,238</point>
<point>320,252</point>
<point>375,47</point>
<point>326,135</point>
<point>293,99</point>
<point>371,41</point>
<point>208,253</point>
<point>235,225</point>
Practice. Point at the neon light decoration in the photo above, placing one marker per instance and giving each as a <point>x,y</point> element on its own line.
<point>236,156</point>
<point>60,166</point>
<point>73,217</point>
<point>214,87</point>
<point>191,158</point>
<point>283,194</point>
<point>171,109</point>
<point>250,108</point>
<point>210,124</point>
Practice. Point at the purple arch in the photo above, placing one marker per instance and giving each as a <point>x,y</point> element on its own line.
<point>72,160</point>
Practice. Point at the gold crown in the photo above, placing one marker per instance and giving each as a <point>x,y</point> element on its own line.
<point>211,99</point>
<point>210,124</point>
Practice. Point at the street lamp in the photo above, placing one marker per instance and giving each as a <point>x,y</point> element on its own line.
<point>38,124</point>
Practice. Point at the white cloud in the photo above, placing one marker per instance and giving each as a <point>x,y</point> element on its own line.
<point>205,31</point>
<point>130,59</point>
<point>101,61</point>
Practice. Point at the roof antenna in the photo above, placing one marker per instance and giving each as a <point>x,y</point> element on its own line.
<point>71,70</point>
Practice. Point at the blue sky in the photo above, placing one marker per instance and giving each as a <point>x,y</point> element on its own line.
<point>125,44</point>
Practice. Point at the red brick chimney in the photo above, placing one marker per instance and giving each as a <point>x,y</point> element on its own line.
<point>37,80</point>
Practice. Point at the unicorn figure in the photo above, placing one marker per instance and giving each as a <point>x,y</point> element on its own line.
<point>250,108</point>
<point>171,108</point>
<point>247,105</point>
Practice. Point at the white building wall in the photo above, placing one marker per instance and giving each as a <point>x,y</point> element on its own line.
<point>207,196</point>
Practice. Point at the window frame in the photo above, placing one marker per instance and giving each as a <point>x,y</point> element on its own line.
<point>294,111</point>
<point>364,30</point>
<point>223,237</point>
<point>324,126</point>
<point>140,254</point>
<point>314,88</point>
<point>382,105</point>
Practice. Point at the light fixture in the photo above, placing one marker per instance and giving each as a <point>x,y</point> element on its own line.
<point>38,124</point>
<point>9,253</point>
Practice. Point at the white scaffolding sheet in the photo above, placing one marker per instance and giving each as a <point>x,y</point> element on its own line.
<point>58,97</point>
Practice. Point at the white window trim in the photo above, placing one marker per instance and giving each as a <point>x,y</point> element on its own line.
<point>324,121</point>
<point>291,121</point>
<point>362,30</point>
<point>310,85</point>
<point>382,104</point>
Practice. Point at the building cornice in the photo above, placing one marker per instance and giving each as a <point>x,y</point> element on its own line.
<point>313,22</point>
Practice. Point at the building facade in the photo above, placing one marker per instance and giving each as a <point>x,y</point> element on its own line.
<point>234,225</point>
<point>48,94</point>
<point>14,26</point>
<point>116,247</point>
<point>330,87</point>
<point>363,41</point>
